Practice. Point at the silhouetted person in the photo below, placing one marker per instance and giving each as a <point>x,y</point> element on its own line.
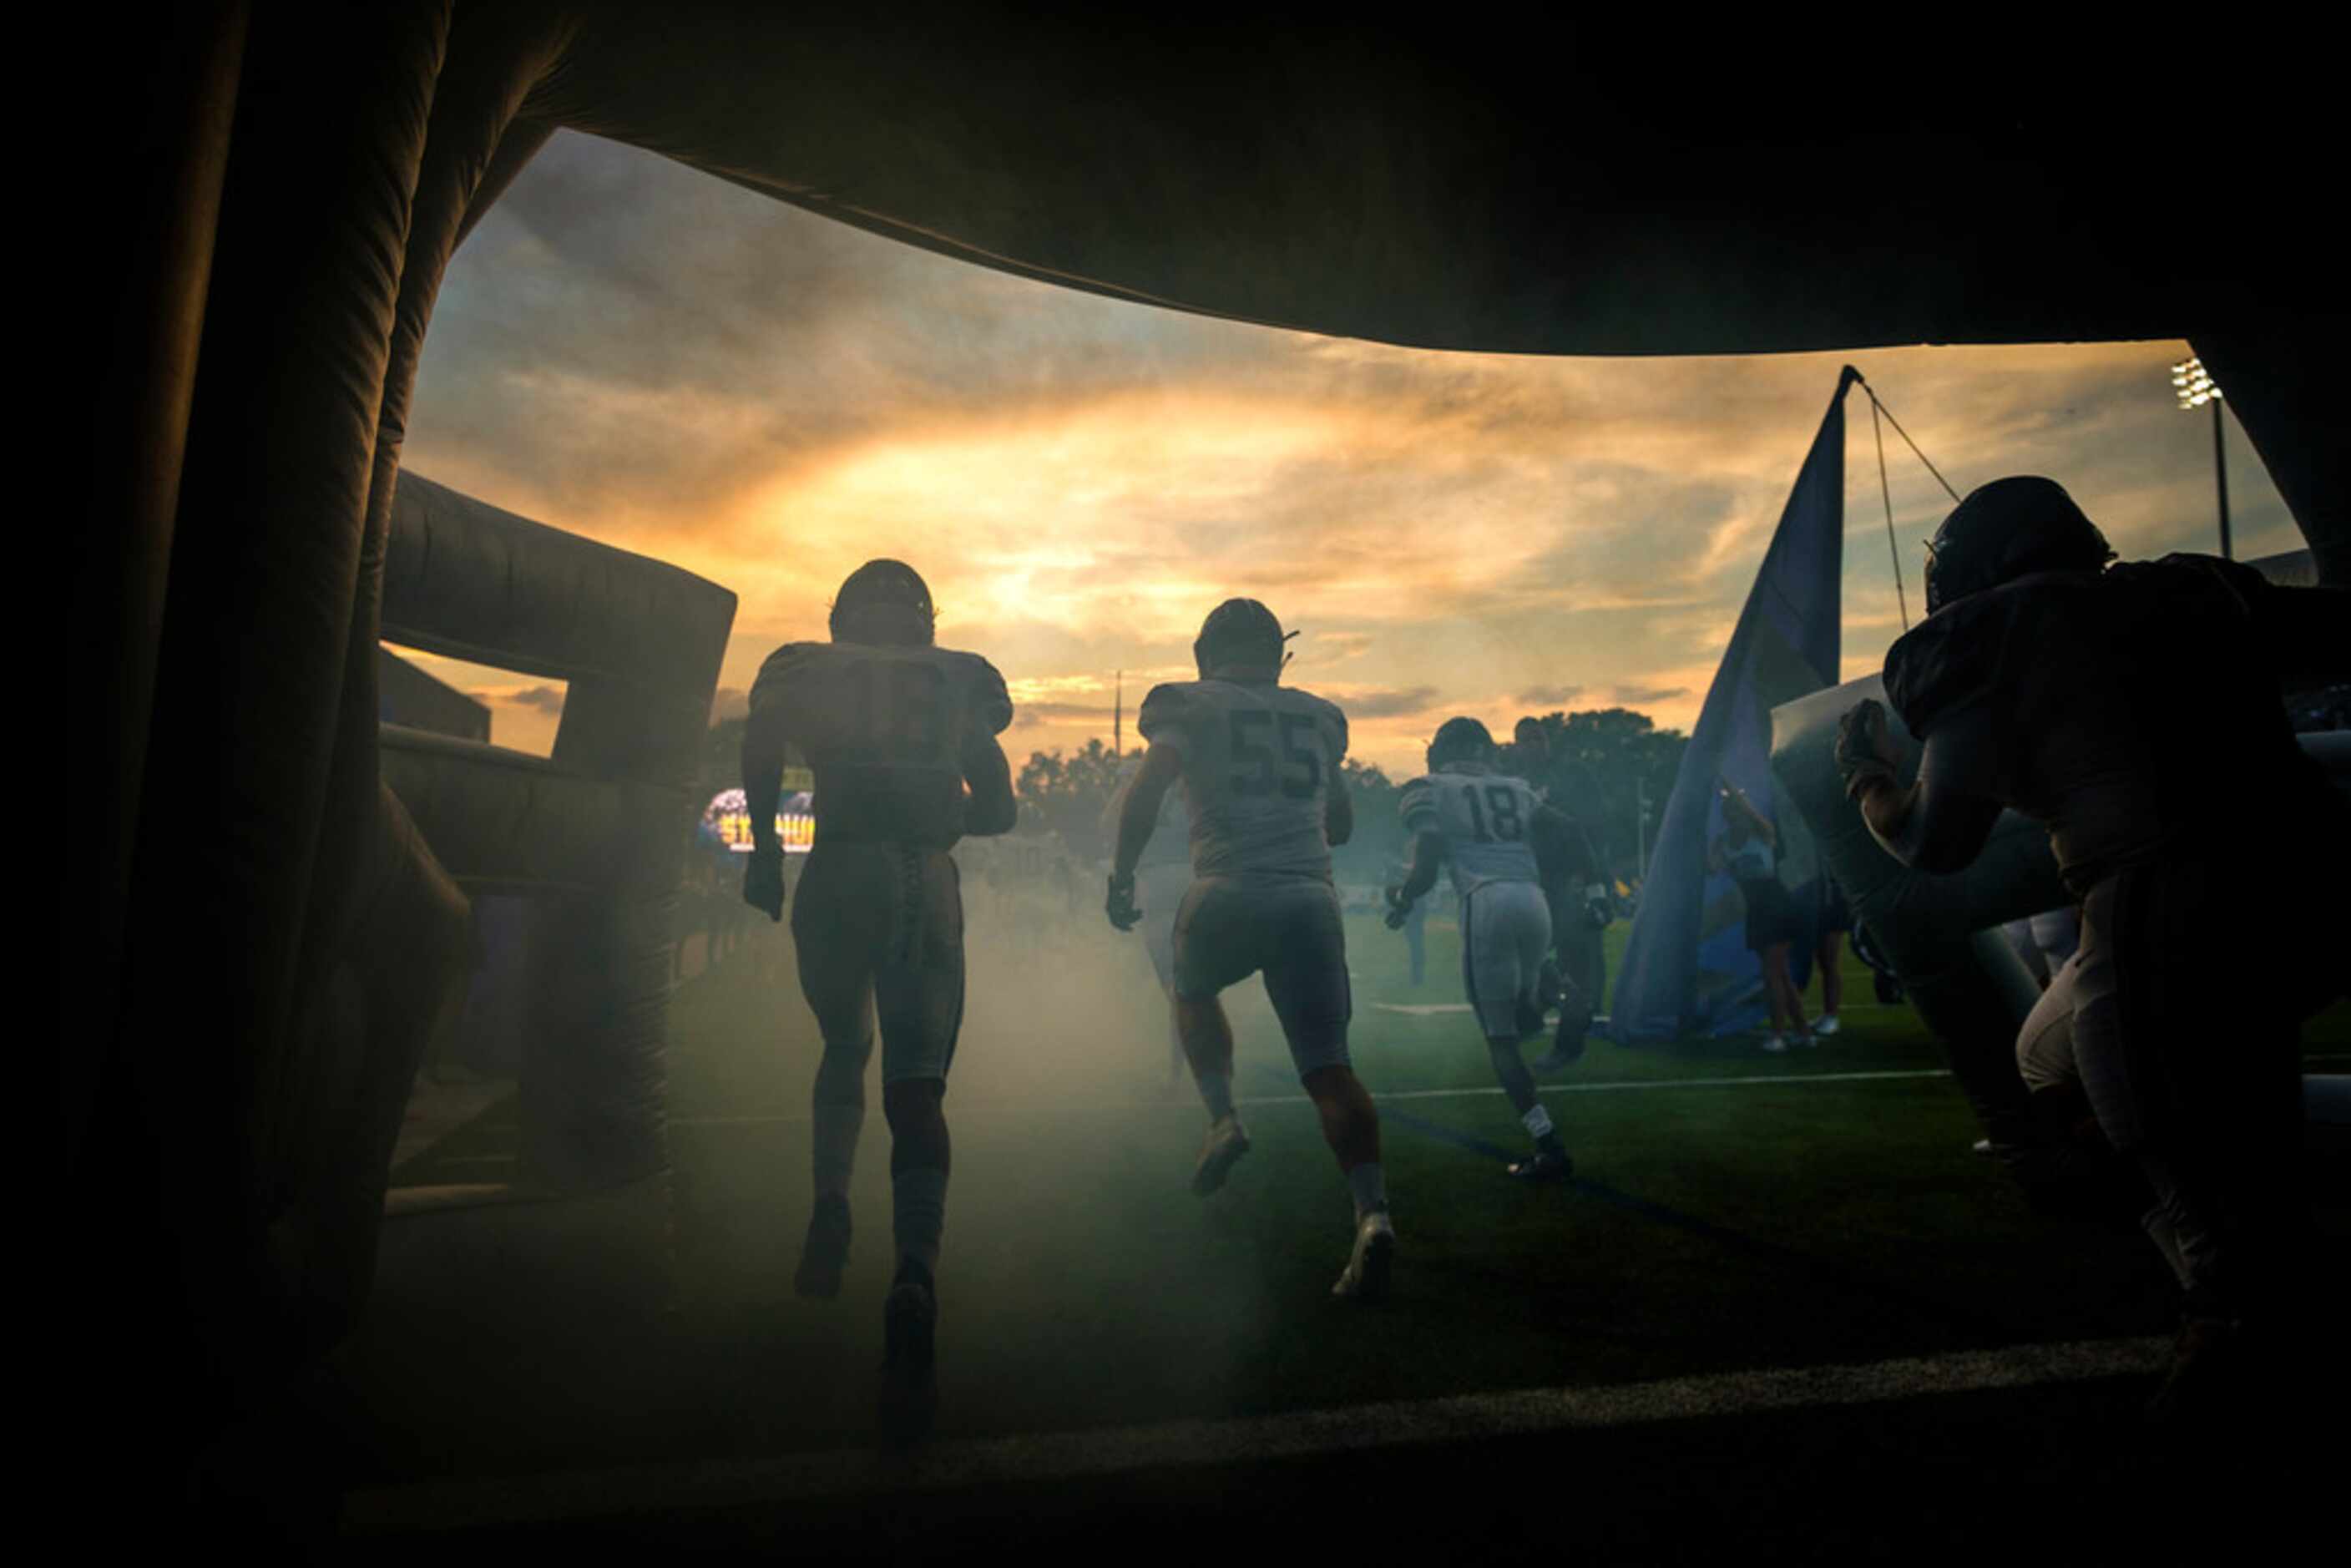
<point>1828,954</point>
<point>1748,849</point>
<point>1415,923</point>
<point>902,738</point>
<point>2135,711</point>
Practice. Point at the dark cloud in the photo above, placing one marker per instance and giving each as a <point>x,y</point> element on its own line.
<point>1550,697</point>
<point>635,330</point>
<point>543,699</point>
<point>1062,713</point>
<point>1650,693</point>
<point>1390,704</point>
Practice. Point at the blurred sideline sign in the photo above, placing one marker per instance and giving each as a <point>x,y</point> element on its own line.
<point>726,821</point>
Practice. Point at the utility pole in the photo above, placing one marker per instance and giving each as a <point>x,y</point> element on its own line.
<point>1641,827</point>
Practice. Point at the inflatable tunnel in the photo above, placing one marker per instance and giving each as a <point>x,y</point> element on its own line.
<point>1941,933</point>
<point>591,839</point>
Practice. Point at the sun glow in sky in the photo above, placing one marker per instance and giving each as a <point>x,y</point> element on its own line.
<point>639,353</point>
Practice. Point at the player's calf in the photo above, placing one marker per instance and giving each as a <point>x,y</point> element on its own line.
<point>919,1157</point>
<point>1551,1161</point>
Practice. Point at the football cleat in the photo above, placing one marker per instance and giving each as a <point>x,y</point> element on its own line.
<point>1368,1266</point>
<point>910,1390</point>
<point>825,1249</point>
<point>1776,1044</point>
<point>1227,1141</point>
<point>1545,1164</point>
<point>1566,1047</point>
<point>1825,1024</point>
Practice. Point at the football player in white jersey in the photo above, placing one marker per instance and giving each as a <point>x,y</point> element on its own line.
<point>1259,763</point>
<point>1484,827</point>
<point>902,736</point>
<point>1160,878</point>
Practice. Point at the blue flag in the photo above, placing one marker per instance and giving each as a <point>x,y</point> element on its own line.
<point>1687,967</point>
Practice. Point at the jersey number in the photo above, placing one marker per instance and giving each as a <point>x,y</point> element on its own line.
<point>1295,771</point>
<point>901,711</point>
<point>1508,826</point>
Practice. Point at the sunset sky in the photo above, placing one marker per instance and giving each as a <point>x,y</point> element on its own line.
<point>639,353</point>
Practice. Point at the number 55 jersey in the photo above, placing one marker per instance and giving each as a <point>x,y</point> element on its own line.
<point>885,729</point>
<point>1257,764</point>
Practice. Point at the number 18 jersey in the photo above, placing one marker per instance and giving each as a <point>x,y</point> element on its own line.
<point>1257,764</point>
<point>884,730</point>
<point>1487,821</point>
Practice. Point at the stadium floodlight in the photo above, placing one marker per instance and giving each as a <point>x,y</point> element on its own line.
<point>2194,386</point>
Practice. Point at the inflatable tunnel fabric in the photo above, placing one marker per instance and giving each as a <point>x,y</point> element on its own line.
<point>597,832</point>
<point>1940,933</point>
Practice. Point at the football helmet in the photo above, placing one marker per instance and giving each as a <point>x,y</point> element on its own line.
<point>1461,740</point>
<point>883,601</point>
<point>1240,638</point>
<point>2005,529</point>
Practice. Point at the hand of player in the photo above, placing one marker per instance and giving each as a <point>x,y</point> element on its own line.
<point>763,882</point>
<point>1865,752</point>
<point>1399,909</point>
<point>1120,905</point>
<point>1598,908</point>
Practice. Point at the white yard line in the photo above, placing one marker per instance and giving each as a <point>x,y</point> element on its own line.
<point>1187,1105</point>
<point>1072,1455</point>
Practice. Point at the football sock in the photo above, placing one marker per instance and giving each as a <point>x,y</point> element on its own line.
<point>1538,1123</point>
<point>1216,1094</point>
<point>1370,1186</point>
<point>918,1212</point>
<point>1511,1069</point>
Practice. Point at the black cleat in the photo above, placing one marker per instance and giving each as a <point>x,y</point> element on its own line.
<point>825,1250</point>
<point>1566,1047</point>
<point>1545,1164</point>
<point>910,1388</point>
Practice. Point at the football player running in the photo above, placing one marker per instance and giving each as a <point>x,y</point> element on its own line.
<point>1160,878</point>
<point>1259,762</point>
<point>1483,825</point>
<point>902,738</point>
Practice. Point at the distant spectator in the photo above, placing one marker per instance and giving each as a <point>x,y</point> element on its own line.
<point>1748,849</point>
<point>1836,920</point>
<point>1416,924</point>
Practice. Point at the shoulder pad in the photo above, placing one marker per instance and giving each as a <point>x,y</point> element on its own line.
<point>1336,718</point>
<point>1166,707</point>
<point>1982,645</point>
<point>991,704</point>
<point>783,667</point>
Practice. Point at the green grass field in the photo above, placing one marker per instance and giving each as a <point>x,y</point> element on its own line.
<point>1732,1210</point>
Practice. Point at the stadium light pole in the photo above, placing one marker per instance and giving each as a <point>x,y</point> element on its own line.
<point>2195,387</point>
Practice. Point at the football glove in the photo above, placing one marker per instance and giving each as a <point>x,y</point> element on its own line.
<point>1865,751</point>
<point>763,881</point>
<point>1598,908</point>
<point>1399,908</point>
<point>1120,905</point>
